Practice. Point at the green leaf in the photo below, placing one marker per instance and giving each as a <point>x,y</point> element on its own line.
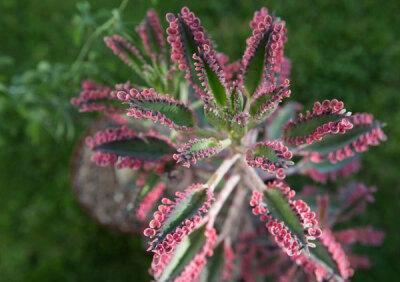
<point>190,49</point>
<point>280,209</point>
<point>236,101</point>
<point>184,253</point>
<point>262,100</point>
<point>254,72</point>
<point>179,114</point>
<point>284,114</point>
<point>186,208</point>
<point>145,148</point>
<point>332,143</point>
<point>216,87</point>
<point>215,265</point>
<point>218,118</point>
<point>321,255</point>
<point>203,144</point>
<point>150,182</point>
<point>306,127</point>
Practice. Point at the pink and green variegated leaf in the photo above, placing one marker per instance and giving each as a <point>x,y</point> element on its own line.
<point>176,219</point>
<point>187,261</point>
<point>365,132</point>
<point>236,100</point>
<point>271,156</point>
<point>263,56</point>
<point>280,117</point>
<point>321,171</point>
<point>124,147</point>
<point>128,53</point>
<point>197,149</point>
<point>98,98</point>
<point>186,36</point>
<point>266,102</point>
<point>327,260</point>
<point>165,110</point>
<point>290,222</point>
<point>220,266</point>
<point>151,33</point>
<point>328,118</point>
<point>211,74</point>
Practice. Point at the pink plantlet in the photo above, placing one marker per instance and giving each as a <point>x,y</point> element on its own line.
<point>147,104</point>
<point>326,118</point>
<point>283,236</point>
<point>162,229</point>
<point>271,156</point>
<point>152,35</point>
<point>149,200</point>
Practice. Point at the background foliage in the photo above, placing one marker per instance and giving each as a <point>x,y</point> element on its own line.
<point>343,49</point>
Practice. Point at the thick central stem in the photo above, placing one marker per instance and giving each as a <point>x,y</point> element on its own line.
<point>221,171</point>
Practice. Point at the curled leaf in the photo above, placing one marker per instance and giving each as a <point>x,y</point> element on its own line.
<point>128,53</point>
<point>176,219</point>
<point>186,36</point>
<point>266,102</point>
<point>198,149</point>
<point>264,51</point>
<point>271,156</point>
<point>365,132</point>
<point>98,98</point>
<point>279,118</point>
<point>290,222</point>
<point>326,118</point>
<point>211,74</point>
<point>151,33</point>
<point>165,110</point>
<point>123,146</point>
<point>188,259</point>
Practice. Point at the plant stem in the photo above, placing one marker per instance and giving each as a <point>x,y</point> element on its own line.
<point>252,178</point>
<point>221,171</point>
<point>222,196</point>
<point>233,217</point>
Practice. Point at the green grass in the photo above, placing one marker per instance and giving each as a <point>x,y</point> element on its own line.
<point>339,49</point>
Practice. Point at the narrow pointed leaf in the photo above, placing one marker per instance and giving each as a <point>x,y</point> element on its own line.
<point>215,265</point>
<point>128,53</point>
<point>162,109</point>
<point>174,220</point>
<point>284,114</point>
<point>198,149</point>
<point>326,118</point>
<point>271,156</point>
<point>132,149</point>
<point>365,132</point>
<point>291,222</point>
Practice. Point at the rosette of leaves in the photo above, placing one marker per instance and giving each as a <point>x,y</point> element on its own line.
<point>159,128</point>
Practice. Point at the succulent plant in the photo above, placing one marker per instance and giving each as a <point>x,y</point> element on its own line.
<point>229,129</point>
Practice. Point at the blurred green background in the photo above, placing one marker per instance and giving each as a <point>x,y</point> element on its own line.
<point>343,49</point>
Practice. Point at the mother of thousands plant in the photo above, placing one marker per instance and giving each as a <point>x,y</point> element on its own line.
<point>239,219</point>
